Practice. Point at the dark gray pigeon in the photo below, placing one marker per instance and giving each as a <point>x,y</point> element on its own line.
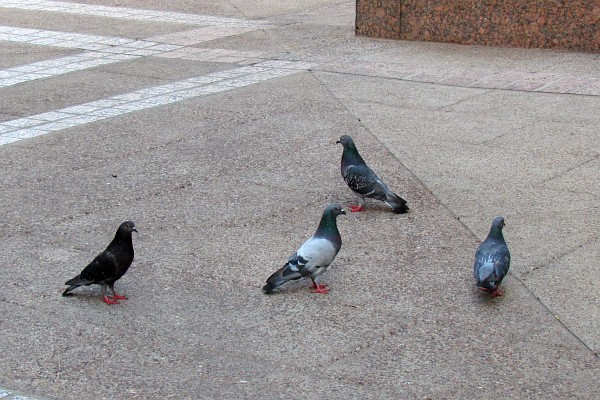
<point>492,260</point>
<point>364,182</point>
<point>314,256</point>
<point>108,266</point>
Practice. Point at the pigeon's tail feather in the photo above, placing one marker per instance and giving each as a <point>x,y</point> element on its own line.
<point>284,274</point>
<point>75,283</point>
<point>486,276</point>
<point>269,287</point>
<point>274,282</point>
<point>67,291</point>
<point>78,281</point>
<point>397,203</point>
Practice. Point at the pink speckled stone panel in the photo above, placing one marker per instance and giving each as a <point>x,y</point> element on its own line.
<point>378,18</point>
<point>572,24</point>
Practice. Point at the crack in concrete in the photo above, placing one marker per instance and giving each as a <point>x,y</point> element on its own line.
<point>563,173</point>
<point>558,257</point>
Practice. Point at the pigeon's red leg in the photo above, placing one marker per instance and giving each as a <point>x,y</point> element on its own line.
<point>497,292</point>
<point>108,300</point>
<point>357,208</point>
<point>319,288</point>
<point>115,296</point>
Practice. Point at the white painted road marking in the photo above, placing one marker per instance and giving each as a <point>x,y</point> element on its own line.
<point>216,82</point>
<point>130,13</point>
<point>102,44</point>
<point>103,50</point>
<point>5,393</point>
<point>57,66</point>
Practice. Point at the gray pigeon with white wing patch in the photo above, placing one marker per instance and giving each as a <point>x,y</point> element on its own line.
<point>314,256</point>
<point>364,182</point>
<point>492,260</point>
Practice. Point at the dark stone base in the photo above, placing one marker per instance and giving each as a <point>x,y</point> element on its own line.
<point>555,24</point>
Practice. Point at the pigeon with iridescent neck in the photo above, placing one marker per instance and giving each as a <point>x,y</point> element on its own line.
<point>364,182</point>
<point>314,256</point>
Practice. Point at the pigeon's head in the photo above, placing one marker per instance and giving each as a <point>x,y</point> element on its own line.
<point>127,227</point>
<point>496,229</point>
<point>498,223</point>
<point>335,209</point>
<point>346,141</point>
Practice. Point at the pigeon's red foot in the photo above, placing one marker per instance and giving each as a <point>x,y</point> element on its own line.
<point>320,288</point>
<point>357,208</point>
<point>493,292</point>
<point>108,300</point>
<point>118,297</point>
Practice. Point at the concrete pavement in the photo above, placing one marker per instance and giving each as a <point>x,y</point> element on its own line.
<point>213,127</point>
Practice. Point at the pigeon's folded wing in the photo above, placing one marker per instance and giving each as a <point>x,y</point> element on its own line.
<point>102,267</point>
<point>362,180</point>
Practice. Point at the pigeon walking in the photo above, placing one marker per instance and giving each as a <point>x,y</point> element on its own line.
<point>364,182</point>
<point>492,260</point>
<point>108,266</point>
<point>314,256</point>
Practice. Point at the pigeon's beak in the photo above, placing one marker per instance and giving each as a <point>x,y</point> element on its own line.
<point>343,211</point>
<point>337,142</point>
<point>133,230</point>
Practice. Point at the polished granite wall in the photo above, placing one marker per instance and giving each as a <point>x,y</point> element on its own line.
<point>557,24</point>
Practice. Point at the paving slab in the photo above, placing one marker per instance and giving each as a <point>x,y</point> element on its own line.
<point>275,9</point>
<point>208,7</point>
<point>501,59</point>
<point>570,271</point>
<point>224,183</point>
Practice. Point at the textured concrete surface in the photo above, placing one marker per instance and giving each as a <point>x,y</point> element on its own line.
<point>224,186</point>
